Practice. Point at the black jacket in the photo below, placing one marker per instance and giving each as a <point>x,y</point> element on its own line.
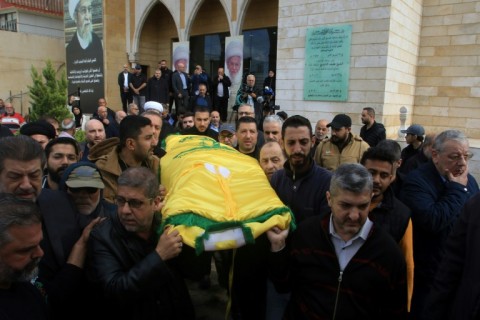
<point>374,135</point>
<point>136,282</point>
<point>456,290</point>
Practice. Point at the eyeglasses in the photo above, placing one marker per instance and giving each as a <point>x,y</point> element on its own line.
<point>245,113</point>
<point>132,203</point>
<point>458,157</point>
<point>88,190</point>
<point>226,135</point>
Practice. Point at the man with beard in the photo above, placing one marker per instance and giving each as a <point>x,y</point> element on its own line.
<point>167,75</point>
<point>60,153</point>
<point>436,193</point>
<point>85,50</point>
<point>134,148</point>
<point>340,266</point>
<point>342,147</point>
<point>386,210</point>
<point>301,185</point>
<point>372,131</point>
<point>94,133</point>
<point>20,253</point>
<point>21,163</point>
<point>201,120</point>
<point>66,232</point>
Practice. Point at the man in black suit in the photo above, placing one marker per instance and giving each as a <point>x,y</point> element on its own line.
<point>123,81</point>
<point>221,93</point>
<point>180,85</point>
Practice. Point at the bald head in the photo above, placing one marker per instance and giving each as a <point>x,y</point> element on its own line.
<point>94,132</point>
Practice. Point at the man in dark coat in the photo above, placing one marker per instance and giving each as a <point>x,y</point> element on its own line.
<point>157,88</point>
<point>372,132</point>
<point>436,193</point>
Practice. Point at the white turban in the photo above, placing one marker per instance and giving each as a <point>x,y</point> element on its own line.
<point>234,48</point>
<point>181,52</point>
<point>153,105</point>
<point>72,5</point>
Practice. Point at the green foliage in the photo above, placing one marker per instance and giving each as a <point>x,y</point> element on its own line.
<point>48,94</point>
<point>80,135</point>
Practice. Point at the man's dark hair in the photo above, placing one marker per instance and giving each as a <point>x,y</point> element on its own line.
<point>62,140</point>
<point>295,122</point>
<point>188,114</point>
<point>370,111</point>
<point>201,109</point>
<point>392,147</point>
<point>140,177</point>
<point>246,120</point>
<point>380,154</point>
<point>131,127</point>
<point>20,148</point>
<point>16,212</point>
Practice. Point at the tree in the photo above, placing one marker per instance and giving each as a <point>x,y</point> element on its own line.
<point>48,94</point>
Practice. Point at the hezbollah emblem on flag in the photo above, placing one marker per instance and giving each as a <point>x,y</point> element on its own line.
<point>217,197</point>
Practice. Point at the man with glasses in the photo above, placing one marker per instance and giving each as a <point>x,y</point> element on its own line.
<point>436,193</point>
<point>134,148</point>
<point>227,135</point>
<point>135,267</point>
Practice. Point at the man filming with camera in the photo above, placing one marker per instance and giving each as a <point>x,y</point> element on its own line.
<point>249,94</point>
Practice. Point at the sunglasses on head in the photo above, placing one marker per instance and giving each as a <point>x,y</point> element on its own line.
<point>88,190</point>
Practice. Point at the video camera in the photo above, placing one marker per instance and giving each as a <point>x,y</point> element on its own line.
<point>266,101</point>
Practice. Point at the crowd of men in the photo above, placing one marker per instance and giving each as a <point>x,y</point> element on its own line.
<point>382,233</point>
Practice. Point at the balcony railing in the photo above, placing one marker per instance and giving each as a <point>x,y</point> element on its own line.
<point>54,6</point>
<point>9,25</point>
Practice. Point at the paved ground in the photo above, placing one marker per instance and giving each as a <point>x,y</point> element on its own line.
<point>211,303</point>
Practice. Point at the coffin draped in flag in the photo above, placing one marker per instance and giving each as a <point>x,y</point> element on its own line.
<point>217,197</point>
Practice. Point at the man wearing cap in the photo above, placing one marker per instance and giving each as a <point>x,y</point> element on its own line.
<point>414,136</point>
<point>227,135</point>
<point>342,146</point>
<point>138,85</point>
<point>62,270</point>
<point>40,131</point>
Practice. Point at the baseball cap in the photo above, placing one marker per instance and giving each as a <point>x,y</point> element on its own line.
<point>84,177</point>
<point>340,121</point>
<point>227,127</point>
<point>414,129</point>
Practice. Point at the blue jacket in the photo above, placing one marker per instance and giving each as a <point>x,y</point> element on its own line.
<point>305,195</point>
<point>435,204</point>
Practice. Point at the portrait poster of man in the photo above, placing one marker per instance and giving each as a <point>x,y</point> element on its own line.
<point>234,59</point>
<point>181,54</point>
<point>84,51</point>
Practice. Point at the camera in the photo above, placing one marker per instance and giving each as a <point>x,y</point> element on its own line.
<point>266,101</point>
<point>249,90</point>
